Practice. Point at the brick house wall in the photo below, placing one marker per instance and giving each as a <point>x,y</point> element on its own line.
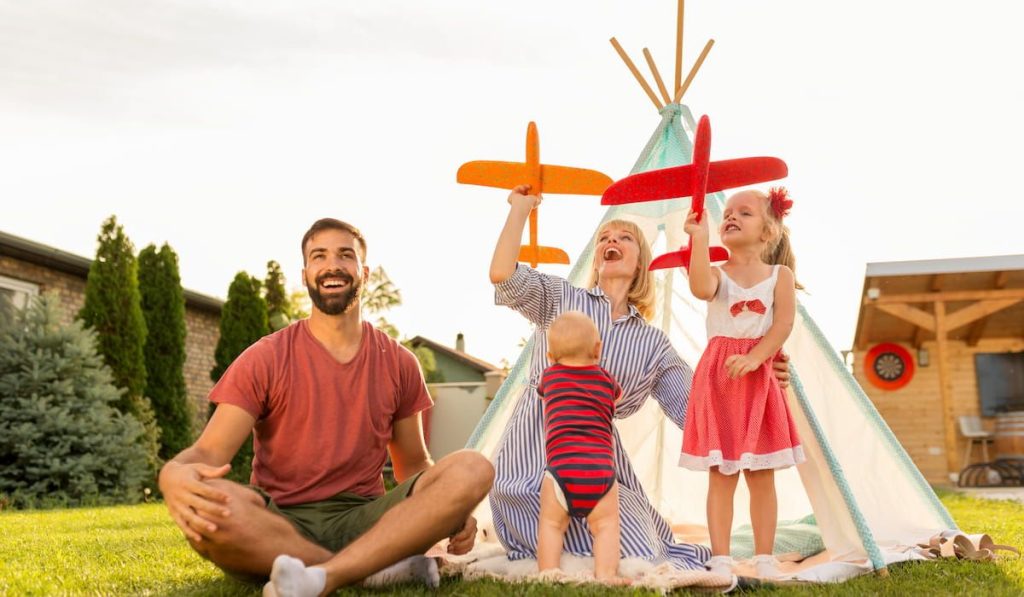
<point>70,288</point>
<point>55,271</point>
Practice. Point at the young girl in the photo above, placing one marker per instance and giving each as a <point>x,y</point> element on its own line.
<point>737,418</point>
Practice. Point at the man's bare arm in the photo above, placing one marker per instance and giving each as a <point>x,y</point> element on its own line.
<point>187,497</point>
<point>408,450</point>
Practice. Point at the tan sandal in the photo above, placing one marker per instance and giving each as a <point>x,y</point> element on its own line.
<point>955,544</point>
<point>984,542</point>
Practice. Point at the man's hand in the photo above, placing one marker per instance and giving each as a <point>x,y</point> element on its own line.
<point>462,541</point>
<point>190,501</point>
<point>780,366</point>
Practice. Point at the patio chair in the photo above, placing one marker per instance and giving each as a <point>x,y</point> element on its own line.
<point>971,429</point>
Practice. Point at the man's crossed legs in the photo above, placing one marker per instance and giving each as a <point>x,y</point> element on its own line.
<point>247,541</point>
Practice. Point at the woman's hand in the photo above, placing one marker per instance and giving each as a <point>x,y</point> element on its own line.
<point>520,197</point>
<point>739,365</point>
<point>506,251</point>
<point>780,367</point>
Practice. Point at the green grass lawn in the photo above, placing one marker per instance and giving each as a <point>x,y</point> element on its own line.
<point>136,550</point>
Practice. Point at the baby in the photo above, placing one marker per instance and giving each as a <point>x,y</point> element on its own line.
<point>579,402</point>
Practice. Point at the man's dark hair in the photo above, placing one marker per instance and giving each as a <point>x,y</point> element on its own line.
<point>332,224</point>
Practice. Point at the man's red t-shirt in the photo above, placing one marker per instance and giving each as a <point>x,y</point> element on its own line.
<point>322,427</point>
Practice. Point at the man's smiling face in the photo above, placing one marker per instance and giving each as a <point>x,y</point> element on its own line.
<point>334,272</point>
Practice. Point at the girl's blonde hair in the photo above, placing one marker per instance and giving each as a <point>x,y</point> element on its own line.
<point>641,291</point>
<point>778,251</point>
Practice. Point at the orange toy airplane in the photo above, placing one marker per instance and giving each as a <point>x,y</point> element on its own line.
<point>542,178</point>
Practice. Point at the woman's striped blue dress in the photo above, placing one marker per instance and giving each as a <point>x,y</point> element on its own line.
<point>641,358</point>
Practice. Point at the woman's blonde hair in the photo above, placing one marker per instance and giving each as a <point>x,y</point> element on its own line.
<point>641,291</point>
<point>778,251</point>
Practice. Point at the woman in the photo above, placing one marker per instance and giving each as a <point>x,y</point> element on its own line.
<point>620,301</point>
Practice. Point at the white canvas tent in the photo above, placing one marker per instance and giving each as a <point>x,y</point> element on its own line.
<point>869,501</point>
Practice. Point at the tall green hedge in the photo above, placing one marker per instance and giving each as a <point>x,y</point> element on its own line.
<point>243,321</point>
<point>113,309</point>
<point>163,307</point>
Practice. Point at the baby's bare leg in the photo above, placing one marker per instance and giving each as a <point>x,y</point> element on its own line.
<point>604,524</point>
<point>550,527</point>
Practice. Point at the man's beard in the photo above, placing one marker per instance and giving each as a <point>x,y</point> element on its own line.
<point>336,304</point>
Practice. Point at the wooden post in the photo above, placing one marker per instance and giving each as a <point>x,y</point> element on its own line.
<point>946,386</point>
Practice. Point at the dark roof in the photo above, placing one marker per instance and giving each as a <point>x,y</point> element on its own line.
<point>69,263</point>
<point>479,364</point>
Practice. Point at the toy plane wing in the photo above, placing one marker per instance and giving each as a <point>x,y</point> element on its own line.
<point>669,183</point>
<point>554,179</point>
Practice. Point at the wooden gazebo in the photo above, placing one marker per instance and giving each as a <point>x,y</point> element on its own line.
<point>940,313</point>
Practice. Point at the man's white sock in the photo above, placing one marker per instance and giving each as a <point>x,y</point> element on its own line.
<point>412,569</point>
<point>291,578</point>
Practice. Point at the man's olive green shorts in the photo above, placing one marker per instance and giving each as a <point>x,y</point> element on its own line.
<point>337,521</point>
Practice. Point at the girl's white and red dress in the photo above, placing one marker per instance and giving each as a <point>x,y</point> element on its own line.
<point>744,423</point>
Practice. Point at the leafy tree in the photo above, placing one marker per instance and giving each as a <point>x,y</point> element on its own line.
<point>62,441</point>
<point>163,306</point>
<point>299,303</point>
<point>428,362</point>
<point>113,308</point>
<point>278,308</point>
<point>243,321</point>
<point>380,294</point>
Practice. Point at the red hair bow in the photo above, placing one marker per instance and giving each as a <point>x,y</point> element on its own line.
<point>755,305</point>
<point>781,203</point>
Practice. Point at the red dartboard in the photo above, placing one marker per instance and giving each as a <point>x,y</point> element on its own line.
<point>889,366</point>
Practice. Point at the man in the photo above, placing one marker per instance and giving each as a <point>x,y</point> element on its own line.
<point>325,397</point>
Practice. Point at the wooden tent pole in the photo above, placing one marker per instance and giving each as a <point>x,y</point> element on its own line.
<point>679,47</point>
<point>693,71</point>
<point>636,73</point>
<point>657,76</point>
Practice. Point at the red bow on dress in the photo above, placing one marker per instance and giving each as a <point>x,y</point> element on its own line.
<point>755,305</point>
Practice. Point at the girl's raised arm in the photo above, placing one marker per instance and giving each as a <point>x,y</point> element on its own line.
<point>703,280</point>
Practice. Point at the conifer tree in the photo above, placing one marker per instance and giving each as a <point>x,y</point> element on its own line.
<point>163,307</point>
<point>243,321</point>
<point>62,441</point>
<point>278,309</point>
<point>113,309</point>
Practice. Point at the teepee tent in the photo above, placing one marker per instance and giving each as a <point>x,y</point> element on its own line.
<point>858,502</point>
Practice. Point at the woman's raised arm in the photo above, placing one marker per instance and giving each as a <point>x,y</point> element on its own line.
<point>506,252</point>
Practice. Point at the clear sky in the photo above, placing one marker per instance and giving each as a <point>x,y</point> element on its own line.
<point>225,128</point>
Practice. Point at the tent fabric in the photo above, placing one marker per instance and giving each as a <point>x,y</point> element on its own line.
<point>870,502</point>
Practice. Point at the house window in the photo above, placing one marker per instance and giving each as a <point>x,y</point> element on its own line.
<point>1000,382</point>
<point>18,291</point>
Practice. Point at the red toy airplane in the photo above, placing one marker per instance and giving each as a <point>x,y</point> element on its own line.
<point>542,178</point>
<point>695,180</point>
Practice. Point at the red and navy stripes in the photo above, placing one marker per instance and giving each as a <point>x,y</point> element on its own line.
<point>642,360</point>
<point>579,404</point>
